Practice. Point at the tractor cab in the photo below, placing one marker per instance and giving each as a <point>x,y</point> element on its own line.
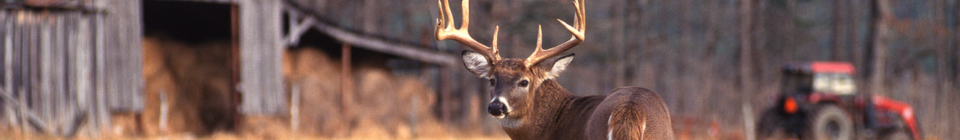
<point>818,77</point>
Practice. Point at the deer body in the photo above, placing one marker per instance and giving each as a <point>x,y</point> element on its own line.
<point>530,104</point>
<point>566,116</point>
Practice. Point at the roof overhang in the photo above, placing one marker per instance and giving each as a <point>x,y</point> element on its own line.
<point>359,40</point>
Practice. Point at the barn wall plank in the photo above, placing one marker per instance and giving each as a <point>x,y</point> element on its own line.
<point>47,55</point>
<point>18,60</point>
<point>84,79</point>
<point>135,58</point>
<point>260,50</point>
<point>123,56</point>
<point>102,112</point>
<point>58,71</point>
<point>69,79</point>
<point>46,70</point>
<point>8,85</point>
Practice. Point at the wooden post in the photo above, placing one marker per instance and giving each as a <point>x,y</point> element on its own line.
<point>100,101</point>
<point>235,97</point>
<point>346,79</point>
<point>295,109</point>
<point>164,112</point>
<point>8,63</point>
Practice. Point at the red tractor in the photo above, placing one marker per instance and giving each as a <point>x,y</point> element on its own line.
<point>819,100</point>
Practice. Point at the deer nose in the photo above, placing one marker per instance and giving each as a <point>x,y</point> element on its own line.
<point>497,108</point>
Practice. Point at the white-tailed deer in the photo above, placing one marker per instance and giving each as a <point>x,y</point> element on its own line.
<point>529,103</point>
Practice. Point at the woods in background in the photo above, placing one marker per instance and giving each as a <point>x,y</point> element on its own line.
<point>707,58</point>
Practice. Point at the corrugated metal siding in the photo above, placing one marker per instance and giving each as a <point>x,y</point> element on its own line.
<point>260,54</point>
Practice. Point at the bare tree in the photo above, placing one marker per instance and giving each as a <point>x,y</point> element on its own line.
<point>839,15</point>
<point>881,15</point>
<point>746,72</point>
<point>746,46</point>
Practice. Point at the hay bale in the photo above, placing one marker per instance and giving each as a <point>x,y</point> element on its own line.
<point>195,83</point>
<point>384,105</point>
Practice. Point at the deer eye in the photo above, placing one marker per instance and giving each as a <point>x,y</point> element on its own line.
<point>492,82</point>
<point>524,83</point>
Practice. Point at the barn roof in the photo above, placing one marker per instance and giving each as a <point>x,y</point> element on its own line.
<point>359,39</point>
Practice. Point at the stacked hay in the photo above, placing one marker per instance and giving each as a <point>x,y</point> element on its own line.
<point>383,105</point>
<point>195,79</point>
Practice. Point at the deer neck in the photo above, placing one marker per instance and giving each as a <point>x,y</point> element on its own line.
<point>552,101</point>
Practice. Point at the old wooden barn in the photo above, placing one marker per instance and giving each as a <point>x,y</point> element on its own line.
<point>71,65</point>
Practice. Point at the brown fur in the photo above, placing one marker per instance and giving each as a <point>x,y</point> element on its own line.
<point>531,105</point>
<point>548,111</point>
<point>623,122</point>
<point>631,110</point>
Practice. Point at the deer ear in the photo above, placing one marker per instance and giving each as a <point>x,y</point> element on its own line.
<point>476,63</point>
<point>557,66</point>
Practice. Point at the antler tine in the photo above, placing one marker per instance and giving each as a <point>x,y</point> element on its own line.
<point>577,30</point>
<point>445,30</point>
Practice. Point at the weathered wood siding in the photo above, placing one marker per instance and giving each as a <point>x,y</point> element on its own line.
<point>47,62</point>
<point>88,60</point>
<point>261,50</point>
<point>67,62</point>
<point>122,51</point>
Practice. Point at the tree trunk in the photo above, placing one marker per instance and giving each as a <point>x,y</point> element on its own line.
<point>855,50</point>
<point>620,43</point>
<point>877,48</point>
<point>943,86</point>
<point>746,72</point>
<point>955,70</point>
<point>746,45</point>
<point>881,15</point>
<point>839,14</point>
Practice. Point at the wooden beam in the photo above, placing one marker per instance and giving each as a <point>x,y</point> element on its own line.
<point>346,80</point>
<point>380,45</point>
<point>164,112</point>
<point>295,109</point>
<point>235,94</point>
<point>296,29</point>
<point>403,50</point>
<point>27,117</point>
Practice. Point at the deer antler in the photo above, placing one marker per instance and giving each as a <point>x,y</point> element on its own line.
<point>461,35</point>
<point>577,30</point>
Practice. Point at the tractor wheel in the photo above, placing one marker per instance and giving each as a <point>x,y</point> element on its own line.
<point>769,126</point>
<point>830,122</point>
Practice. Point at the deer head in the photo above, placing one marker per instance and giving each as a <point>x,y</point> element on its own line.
<point>514,81</point>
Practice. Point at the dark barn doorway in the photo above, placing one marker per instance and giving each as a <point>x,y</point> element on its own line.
<point>191,67</point>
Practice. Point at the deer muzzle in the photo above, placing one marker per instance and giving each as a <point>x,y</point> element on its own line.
<point>497,109</point>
